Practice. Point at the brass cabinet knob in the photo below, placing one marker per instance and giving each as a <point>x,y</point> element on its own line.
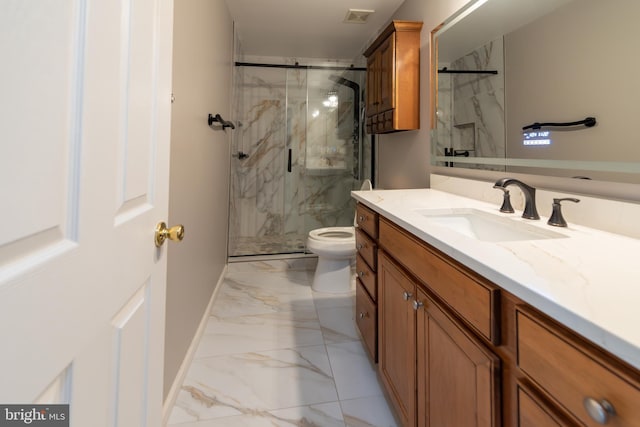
<point>599,411</point>
<point>175,233</point>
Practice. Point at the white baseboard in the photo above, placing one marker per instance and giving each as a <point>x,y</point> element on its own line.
<point>172,396</point>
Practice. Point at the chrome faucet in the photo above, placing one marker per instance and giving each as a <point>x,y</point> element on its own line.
<point>530,211</point>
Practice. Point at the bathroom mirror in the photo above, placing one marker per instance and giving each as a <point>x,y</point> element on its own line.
<point>501,65</point>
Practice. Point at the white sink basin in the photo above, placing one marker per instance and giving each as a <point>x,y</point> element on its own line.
<point>484,226</point>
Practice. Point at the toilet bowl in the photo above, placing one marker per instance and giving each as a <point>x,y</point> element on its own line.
<point>336,249</point>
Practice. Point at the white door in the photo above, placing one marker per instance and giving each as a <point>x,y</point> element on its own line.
<point>84,147</point>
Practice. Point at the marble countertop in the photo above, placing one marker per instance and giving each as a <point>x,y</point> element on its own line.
<point>589,281</point>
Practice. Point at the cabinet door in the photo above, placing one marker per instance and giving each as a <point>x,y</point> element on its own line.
<point>458,378</point>
<point>397,338</point>
<point>373,83</point>
<point>387,74</point>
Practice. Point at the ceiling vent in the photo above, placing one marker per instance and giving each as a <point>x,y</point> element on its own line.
<point>357,16</point>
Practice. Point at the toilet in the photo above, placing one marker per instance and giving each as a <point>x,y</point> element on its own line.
<point>336,249</point>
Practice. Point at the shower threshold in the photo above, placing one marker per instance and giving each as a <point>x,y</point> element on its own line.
<point>267,245</point>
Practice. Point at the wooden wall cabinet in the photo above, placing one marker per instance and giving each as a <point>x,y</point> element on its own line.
<point>393,79</point>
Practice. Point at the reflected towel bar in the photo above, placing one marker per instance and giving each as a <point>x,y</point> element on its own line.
<point>217,118</point>
<point>445,70</point>
<point>588,122</point>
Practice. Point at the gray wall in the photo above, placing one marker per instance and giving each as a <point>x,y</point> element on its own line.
<point>199,183</point>
<point>404,157</point>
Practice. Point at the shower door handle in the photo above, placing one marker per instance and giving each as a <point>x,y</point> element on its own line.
<point>289,161</point>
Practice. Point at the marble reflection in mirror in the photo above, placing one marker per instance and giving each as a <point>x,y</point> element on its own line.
<point>504,65</point>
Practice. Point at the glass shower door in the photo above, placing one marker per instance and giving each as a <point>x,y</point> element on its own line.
<point>257,178</point>
<point>332,148</point>
<point>296,156</point>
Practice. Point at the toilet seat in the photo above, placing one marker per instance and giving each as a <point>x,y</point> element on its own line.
<point>333,242</point>
<point>333,234</point>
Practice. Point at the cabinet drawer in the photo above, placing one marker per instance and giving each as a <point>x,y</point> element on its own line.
<point>388,119</point>
<point>367,276</point>
<point>472,297</point>
<point>367,220</point>
<point>367,319</point>
<point>367,248</point>
<point>533,413</point>
<point>569,374</point>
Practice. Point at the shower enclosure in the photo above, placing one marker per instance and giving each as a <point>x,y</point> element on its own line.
<point>298,151</point>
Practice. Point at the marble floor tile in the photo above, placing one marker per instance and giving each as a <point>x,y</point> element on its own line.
<point>241,384</point>
<point>352,370</point>
<point>274,353</point>
<point>258,293</point>
<point>243,334</point>
<point>321,415</point>
<point>367,412</point>
<point>338,324</point>
<point>325,300</point>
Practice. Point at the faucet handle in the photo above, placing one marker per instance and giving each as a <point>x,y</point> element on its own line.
<point>506,200</point>
<point>556,219</point>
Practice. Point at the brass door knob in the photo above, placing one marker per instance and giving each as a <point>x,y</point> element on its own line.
<point>175,233</point>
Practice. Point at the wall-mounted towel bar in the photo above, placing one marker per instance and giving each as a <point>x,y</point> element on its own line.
<point>588,122</point>
<point>218,119</point>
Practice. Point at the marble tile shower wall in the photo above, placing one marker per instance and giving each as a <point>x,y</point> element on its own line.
<point>267,201</point>
<point>471,106</point>
<point>256,200</point>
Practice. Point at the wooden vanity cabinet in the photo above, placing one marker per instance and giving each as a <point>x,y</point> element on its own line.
<point>575,374</point>
<point>532,412</point>
<point>436,372</point>
<point>457,350</point>
<point>458,377</point>
<point>397,338</point>
<point>366,282</point>
<point>393,79</point>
